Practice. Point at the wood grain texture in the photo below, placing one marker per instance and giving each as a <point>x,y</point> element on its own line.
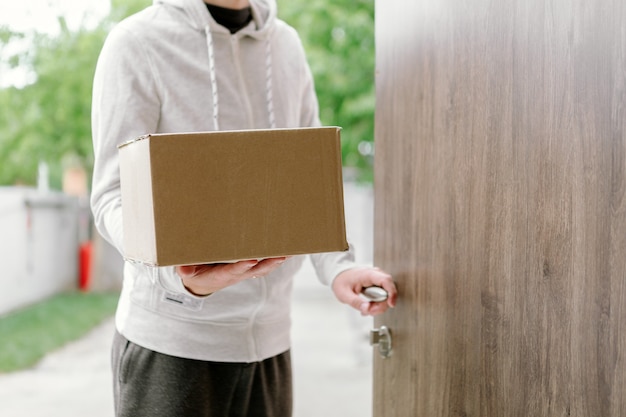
<point>500,207</point>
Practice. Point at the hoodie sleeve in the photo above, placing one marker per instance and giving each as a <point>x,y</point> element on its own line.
<point>329,265</point>
<point>124,105</point>
<point>310,106</point>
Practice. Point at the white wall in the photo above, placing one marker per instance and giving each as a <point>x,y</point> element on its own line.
<point>38,245</point>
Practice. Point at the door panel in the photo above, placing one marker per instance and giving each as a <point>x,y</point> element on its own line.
<point>500,207</point>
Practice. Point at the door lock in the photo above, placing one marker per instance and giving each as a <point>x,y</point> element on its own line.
<point>382,338</point>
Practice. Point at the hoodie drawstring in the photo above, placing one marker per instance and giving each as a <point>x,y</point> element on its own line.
<point>209,43</point>
<point>268,84</point>
<point>268,81</point>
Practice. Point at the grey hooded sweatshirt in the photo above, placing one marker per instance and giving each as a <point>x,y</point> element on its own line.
<point>172,68</point>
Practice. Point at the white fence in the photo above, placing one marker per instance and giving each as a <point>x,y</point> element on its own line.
<point>39,244</point>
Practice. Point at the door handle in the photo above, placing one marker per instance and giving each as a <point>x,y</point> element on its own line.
<point>374,294</point>
<point>382,338</point>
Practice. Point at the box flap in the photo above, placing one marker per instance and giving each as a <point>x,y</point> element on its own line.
<point>137,202</point>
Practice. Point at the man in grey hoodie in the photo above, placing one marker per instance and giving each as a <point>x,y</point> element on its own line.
<point>206,340</point>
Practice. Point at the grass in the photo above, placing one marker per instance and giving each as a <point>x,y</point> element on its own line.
<point>28,334</point>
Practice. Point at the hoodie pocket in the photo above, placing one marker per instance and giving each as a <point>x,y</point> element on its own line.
<point>150,292</point>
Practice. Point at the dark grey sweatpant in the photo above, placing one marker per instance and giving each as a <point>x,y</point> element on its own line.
<point>151,384</point>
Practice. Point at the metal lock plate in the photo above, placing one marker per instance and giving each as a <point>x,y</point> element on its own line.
<point>382,338</point>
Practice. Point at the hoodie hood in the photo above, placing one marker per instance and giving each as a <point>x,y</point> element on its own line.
<point>198,16</point>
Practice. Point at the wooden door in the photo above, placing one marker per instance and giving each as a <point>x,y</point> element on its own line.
<point>500,207</point>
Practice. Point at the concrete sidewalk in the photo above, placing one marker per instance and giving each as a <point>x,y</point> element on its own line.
<point>330,352</point>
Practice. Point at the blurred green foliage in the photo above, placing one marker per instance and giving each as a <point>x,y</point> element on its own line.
<point>338,37</point>
<point>49,119</point>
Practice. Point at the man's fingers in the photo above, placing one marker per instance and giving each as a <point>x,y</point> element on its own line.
<point>266,266</point>
<point>392,291</point>
<point>186,270</point>
<point>241,267</point>
<point>374,309</point>
<point>254,267</point>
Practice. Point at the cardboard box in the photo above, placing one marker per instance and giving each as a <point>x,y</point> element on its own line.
<point>194,198</point>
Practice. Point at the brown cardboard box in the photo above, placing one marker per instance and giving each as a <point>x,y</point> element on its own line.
<point>193,198</point>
